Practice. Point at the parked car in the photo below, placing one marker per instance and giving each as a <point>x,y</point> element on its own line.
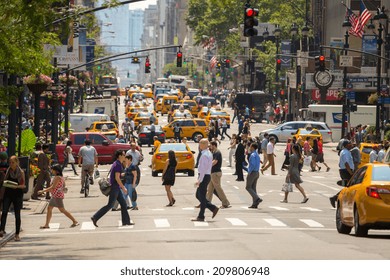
<point>184,156</point>
<point>144,135</point>
<point>365,202</point>
<point>283,131</point>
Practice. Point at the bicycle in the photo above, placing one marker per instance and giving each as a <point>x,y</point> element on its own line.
<point>87,182</point>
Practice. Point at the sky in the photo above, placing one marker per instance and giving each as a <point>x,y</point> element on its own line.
<point>142,4</point>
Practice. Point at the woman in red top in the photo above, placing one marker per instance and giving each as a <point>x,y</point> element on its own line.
<point>320,156</point>
<point>57,190</point>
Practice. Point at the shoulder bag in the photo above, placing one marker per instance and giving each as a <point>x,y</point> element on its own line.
<point>105,185</point>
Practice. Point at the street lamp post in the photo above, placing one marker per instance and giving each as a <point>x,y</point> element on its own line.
<point>346,26</point>
<point>305,34</point>
<point>277,33</point>
<point>293,33</point>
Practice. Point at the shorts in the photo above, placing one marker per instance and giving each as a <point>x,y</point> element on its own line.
<point>56,202</point>
<point>320,158</point>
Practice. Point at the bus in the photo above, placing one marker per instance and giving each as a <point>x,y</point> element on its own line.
<point>256,101</point>
<point>333,117</point>
<point>180,82</point>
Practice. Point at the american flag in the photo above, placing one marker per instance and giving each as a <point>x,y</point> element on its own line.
<point>353,19</point>
<point>213,62</point>
<point>363,18</point>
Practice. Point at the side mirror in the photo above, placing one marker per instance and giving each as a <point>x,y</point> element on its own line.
<point>105,143</point>
<point>193,152</point>
<point>292,133</point>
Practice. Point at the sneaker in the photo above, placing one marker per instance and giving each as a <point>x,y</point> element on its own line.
<point>82,190</point>
<point>327,169</point>
<point>91,180</point>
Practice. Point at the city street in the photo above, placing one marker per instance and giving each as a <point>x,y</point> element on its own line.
<point>273,231</point>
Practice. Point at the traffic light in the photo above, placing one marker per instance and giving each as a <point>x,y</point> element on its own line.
<point>135,60</point>
<point>250,21</point>
<point>322,63</point>
<point>179,59</point>
<point>147,65</point>
<point>278,64</point>
<point>219,65</point>
<point>227,63</point>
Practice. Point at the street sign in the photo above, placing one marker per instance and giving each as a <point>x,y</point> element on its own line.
<point>351,95</point>
<point>346,61</point>
<point>384,100</point>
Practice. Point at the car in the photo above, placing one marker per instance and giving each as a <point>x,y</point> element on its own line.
<point>204,111</point>
<point>365,202</point>
<point>204,101</point>
<point>144,135</point>
<point>144,118</point>
<point>177,106</point>
<point>283,131</point>
<point>148,93</point>
<point>192,105</point>
<point>192,92</point>
<point>303,133</point>
<point>107,128</point>
<point>215,114</point>
<point>181,114</point>
<point>132,111</point>
<point>191,128</point>
<point>184,156</point>
<point>158,105</point>
<point>365,150</point>
<point>167,101</point>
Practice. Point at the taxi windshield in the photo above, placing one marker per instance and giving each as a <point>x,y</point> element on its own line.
<point>178,147</point>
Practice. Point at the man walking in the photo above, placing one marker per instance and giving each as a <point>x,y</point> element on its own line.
<point>264,144</point>
<point>240,159</point>
<point>44,174</point>
<point>204,171</point>
<point>270,156</point>
<point>87,158</point>
<point>216,174</point>
<point>253,175</point>
<point>224,126</point>
<point>177,131</point>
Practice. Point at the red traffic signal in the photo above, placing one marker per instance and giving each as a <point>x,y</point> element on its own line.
<point>251,12</point>
<point>147,66</point>
<point>250,21</point>
<point>278,64</point>
<point>63,103</point>
<point>179,59</point>
<point>322,63</point>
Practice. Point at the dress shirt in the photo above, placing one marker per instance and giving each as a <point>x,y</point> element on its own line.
<point>270,148</point>
<point>205,164</point>
<point>373,156</point>
<point>346,157</point>
<point>254,163</point>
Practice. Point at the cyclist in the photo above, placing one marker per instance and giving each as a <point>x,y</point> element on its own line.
<point>126,129</point>
<point>88,157</point>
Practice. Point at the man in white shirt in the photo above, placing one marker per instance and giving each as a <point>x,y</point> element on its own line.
<point>381,153</point>
<point>374,154</point>
<point>270,157</point>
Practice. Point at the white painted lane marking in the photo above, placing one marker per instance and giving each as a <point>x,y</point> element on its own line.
<point>188,208</point>
<point>228,182</point>
<point>237,188</point>
<point>161,223</point>
<point>236,222</point>
<point>312,223</point>
<point>275,222</point>
<point>53,227</point>
<point>158,209</point>
<point>311,209</point>
<point>87,226</point>
<point>279,208</point>
<point>201,224</point>
<point>326,186</point>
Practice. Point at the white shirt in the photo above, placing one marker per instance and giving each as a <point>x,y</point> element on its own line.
<point>381,155</point>
<point>270,148</point>
<point>373,156</point>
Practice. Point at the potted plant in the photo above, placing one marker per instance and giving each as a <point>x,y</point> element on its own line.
<point>37,83</point>
<point>64,79</point>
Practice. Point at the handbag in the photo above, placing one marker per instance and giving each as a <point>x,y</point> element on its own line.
<point>307,160</point>
<point>134,195</point>
<point>96,175</point>
<point>10,184</point>
<point>105,185</point>
<point>287,187</point>
<point>71,158</point>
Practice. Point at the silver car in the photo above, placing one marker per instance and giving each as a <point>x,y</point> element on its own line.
<point>285,130</point>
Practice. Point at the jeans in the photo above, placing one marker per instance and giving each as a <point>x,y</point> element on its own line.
<point>66,162</point>
<point>115,195</point>
<point>251,183</point>
<point>201,196</point>
<point>14,196</point>
<point>130,189</point>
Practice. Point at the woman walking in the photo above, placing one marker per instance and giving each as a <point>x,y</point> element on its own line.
<point>314,154</point>
<point>168,176</point>
<point>293,175</point>
<point>211,131</point>
<point>232,148</point>
<point>68,157</point>
<point>130,182</point>
<point>287,154</point>
<point>57,191</point>
<point>320,156</point>
<point>13,195</point>
<point>115,194</point>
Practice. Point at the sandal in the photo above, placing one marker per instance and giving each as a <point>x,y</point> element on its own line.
<point>74,225</point>
<point>43,227</point>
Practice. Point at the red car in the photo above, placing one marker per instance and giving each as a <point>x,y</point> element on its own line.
<point>104,146</point>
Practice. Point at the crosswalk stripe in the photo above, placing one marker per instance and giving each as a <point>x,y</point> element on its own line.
<point>237,188</point>
<point>87,226</point>
<point>236,222</point>
<point>275,222</point>
<point>124,227</point>
<point>188,208</point>
<point>161,223</point>
<point>311,209</point>
<point>279,208</point>
<point>53,227</point>
<point>201,224</point>
<point>157,209</point>
<point>311,223</point>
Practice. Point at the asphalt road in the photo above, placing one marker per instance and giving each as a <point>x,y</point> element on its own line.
<point>273,231</point>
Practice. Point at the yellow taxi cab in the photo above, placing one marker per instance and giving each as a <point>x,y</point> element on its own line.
<point>167,101</point>
<point>365,202</point>
<point>137,96</point>
<point>158,105</point>
<point>144,118</point>
<point>215,114</point>
<point>135,110</point>
<point>131,90</point>
<point>302,133</point>
<point>147,92</point>
<point>184,156</point>
<point>203,112</point>
<point>193,106</point>
<point>191,128</point>
<point>107,128</point>
<point>365,150</point>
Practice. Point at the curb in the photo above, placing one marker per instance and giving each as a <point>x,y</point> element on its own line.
<point>7,238</point>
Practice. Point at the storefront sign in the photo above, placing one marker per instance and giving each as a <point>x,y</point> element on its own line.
<point>331,95</point>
